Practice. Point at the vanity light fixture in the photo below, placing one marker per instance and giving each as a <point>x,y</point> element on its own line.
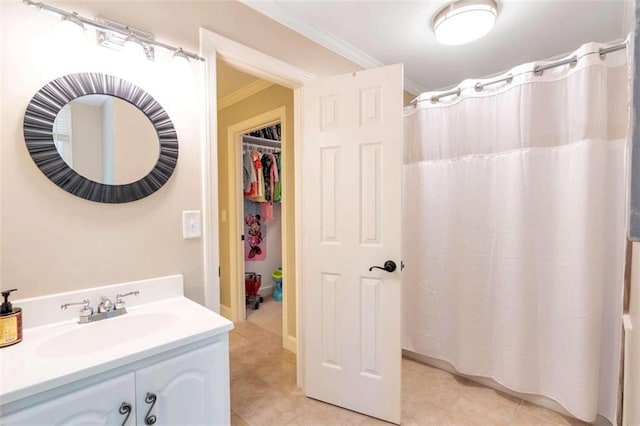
<point>71,29</point>
<point>180,55</point>
<point>112,34</point>
<point>72,20</point>
<point>135,47</point>
<point>464,20</point>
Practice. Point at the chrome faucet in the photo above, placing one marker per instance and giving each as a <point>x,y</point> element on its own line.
<point>120,303</point>
<point>106,308</point>
<point>86,310</point>
<point>106,305</point>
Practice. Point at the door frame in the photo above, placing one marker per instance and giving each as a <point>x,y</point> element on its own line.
<point>235,245</point>
<point>214,46</point>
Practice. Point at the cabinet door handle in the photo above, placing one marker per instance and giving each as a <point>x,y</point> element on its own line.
<point>150,399</point>
<point>125,408</point>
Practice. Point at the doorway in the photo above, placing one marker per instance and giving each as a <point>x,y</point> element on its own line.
<point>254,106</point>
<point>262,222</point>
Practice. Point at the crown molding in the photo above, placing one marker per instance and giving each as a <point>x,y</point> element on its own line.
<point>243,93</point>
<point>324,38</point>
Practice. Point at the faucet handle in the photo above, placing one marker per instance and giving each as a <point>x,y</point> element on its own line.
<point>86,308</point>
<point>120,303</point>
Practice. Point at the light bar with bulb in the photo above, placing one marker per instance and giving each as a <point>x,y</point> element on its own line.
<point>113,34</point>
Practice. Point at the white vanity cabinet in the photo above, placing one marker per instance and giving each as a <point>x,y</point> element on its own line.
<point>188,388</point>
<point>167,357</point>
<point>97,404</point>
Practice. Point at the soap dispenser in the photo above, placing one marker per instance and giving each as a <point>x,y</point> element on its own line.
<point>10,322</point>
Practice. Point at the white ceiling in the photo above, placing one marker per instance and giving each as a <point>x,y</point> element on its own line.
<point>378,32</point>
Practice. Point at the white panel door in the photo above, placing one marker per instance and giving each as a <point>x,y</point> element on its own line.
<point>352,159</point>
<point>189,389</point>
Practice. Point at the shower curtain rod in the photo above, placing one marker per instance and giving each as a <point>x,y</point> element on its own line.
<point>538,70</point>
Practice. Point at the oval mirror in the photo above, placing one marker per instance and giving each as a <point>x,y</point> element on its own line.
<point>101,138</point>
<point>106,139</point>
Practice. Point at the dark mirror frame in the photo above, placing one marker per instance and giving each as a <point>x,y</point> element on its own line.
<point>38,135</point>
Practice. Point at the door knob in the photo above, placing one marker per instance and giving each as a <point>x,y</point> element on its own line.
<point>389,266</point>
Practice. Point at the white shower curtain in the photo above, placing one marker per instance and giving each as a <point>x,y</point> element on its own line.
<point>514,230</point>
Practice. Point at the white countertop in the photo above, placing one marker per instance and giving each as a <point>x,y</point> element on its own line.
<point>57,354</point>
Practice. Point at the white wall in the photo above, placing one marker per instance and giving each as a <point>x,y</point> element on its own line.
<point>53,241</point>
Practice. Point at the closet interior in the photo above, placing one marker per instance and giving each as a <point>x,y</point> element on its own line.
<point>262,223</point>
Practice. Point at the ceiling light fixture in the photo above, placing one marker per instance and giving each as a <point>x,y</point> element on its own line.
<point>464,20</point>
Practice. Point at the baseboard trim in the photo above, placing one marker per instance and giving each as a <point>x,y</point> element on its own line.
<point>266,290</point>
<point>289,343</point>
<point>225,311</point>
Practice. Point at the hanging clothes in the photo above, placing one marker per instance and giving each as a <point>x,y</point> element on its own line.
<point>258,195</point>
<point>249,178</point>
<point>277,187</point>
<point>270,171</point>
<point>267,163</point>
<point>261,178</point>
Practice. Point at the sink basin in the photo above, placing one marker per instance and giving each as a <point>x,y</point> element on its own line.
<point>86,339</point>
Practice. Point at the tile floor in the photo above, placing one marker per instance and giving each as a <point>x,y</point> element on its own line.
<point>264,391</point>
<point>268,316</point>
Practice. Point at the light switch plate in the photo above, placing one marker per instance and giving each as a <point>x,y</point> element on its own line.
<point>191,224</point>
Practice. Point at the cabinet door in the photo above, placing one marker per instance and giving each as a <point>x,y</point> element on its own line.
<point>94,405</point>
<point>189,389</point>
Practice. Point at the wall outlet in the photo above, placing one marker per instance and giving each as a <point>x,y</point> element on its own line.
<point>191,224</point>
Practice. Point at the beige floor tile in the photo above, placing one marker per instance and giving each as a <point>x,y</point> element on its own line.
<point>320,413</point>
<point>247,361</point>
<point>245,389</point>
<point>280,374</point>
<point>238,342</point>
<point>441,390</point>
<point>490,397</point>
<point>272,408</point>
<point>274,325</point>
<point>264,391</point>
<point>533,415</point>
<point>422,413</point>
<point>472,412</point>
<point>236,420</point>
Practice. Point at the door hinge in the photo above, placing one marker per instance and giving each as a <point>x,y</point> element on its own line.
<point>218,272</point>
<point>402,265</point>
<point>242,237</point>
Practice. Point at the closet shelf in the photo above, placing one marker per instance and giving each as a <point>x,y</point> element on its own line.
<point>254,140</point>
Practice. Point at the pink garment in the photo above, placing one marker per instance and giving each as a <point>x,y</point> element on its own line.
<point>256,193</point>
<point>267,208</point>
<point>266,212</point>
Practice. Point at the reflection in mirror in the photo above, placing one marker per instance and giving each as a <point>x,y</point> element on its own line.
<point>106,139</point>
